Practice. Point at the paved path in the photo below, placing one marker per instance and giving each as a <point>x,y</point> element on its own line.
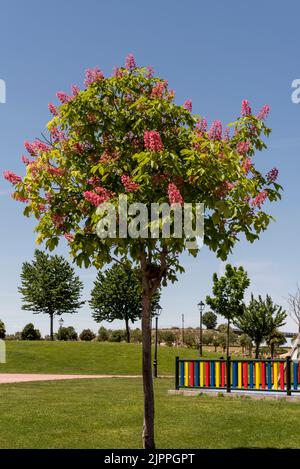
<point>22,377</point>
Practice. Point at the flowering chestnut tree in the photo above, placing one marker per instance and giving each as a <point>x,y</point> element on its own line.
<point>124,134</point>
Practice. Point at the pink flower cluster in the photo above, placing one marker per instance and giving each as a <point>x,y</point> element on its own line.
<point>20,198</point>
<point>188,105</point>
<point>246,165</point>
<point>75,90</point>
<point>202,125</point>
<point>215,131</point>
<point>57,135</point>
<point>94,180</point>
<point>69,237</point>
<point>159,89</point>
<point>36,146</point>
<point>92,75</point>
<point>129,185</point>
<point>12,177</point>
<point>25,160</point>
<point>152,140</point>
<point>55,171</point>
<point>58,220</point>
<point>264,112</point>
<point>53,109</point>
<point>259,199</point>
<point>243,148</point>
<point>272,175</point>
<point>226,135</point>
<point>63,97</point>
<point>130,63</point>
<point>246,109</point>
<point>96,199</point>
<point>150,71</point>
<point>174,194</point>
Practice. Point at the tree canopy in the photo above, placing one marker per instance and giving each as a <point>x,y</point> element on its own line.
<point>260,319</point>
<point>50,286</point>
<point>117,294</point>
<point>210,320</point>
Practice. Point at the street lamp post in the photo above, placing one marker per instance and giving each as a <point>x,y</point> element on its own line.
<point>157,313</point>
<point>201,308</point>
<point>60,322</point>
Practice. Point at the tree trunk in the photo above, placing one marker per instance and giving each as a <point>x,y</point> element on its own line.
<point>51,327</point>
<point>228,331</point>
<point>257,344</point>
<point>148,429</point>
<point>127,331</point>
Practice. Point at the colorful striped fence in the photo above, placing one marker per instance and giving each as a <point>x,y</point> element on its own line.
<point>255,375</point>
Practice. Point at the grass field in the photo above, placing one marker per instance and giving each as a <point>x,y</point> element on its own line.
<point>86,357</point>
<point>108,414</point>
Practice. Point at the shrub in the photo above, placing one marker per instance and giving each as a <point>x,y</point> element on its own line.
<point>103,334</point>
<point>117,336</point>
<point>168,337</point>
<point>136,336</point>
<point>30,333</point>
<point>87,335</point>
<point>67,333</point>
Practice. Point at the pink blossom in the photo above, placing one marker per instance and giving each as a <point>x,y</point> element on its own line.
<point>75,90</point>
<point>188,105</point>
<point>152,140</point>
<point>246,109</point>
<point>41,207</point>
<point>12,177</point>
<point>30,148</point>
<point>246,165</point>
<point>55,171</point>
<point>130,63</point>
<point>129,185</point>
<point>226,134</point>
<point>53,109</point>
<point>58,220</point>
<point>159,89</point>
<point>57,135</point>
<point>69,237</point>
<point>92,75</point>
<point>37,145</point>
<point>19,198</point>
<point>63,97</point>
<point>243,147</point>
<point>25,160</point>
<point>215,131</point>
<point>264,112</point>
<point>48,196</point>
<point>259,199</point>
<point>117,72</point>
<point>150,71</point>
<point>202,125</point>
<point>96,199</point>
<point>272,175</point>
<point>174,194</point>
<point>94,180</point>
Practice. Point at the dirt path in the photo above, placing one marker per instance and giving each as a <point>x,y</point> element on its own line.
<point>22,377</point>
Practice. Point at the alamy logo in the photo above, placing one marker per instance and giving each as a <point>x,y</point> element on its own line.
<point>2,92</point>
<point>138,220</point>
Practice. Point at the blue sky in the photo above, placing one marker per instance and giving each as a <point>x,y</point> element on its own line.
<point>215,53</point>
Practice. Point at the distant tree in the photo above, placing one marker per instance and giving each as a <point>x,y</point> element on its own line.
<point>30,333</point>
<point>210,320</point>
<point>208,337</point>
<point>228,295</point>
<point>216,341</point>
<point>245,342</point>
<point>259,320</point>
<point>67,333</point>
<point>87,335</point>
<point>136,335</point>
<point>49,286</point>
<point>294,306</point>
<point>103,334</point>
<point>275,339</point>
<point>189,338</point>
<point>168,337</point>
<point>117,295</point>
<point>118,335</point>
<point>2,330</point>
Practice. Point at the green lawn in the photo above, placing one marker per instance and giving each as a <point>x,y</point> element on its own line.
<point>108,414</point>
<point>86,357</point>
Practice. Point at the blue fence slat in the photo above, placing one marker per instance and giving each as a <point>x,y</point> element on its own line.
<point>269,374</point>
<point>295,375</point>
<point>212,374</point>
<point>196,371</point>
<point>251,375</point>
<point>235,374</point>
<point>181,373</point>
